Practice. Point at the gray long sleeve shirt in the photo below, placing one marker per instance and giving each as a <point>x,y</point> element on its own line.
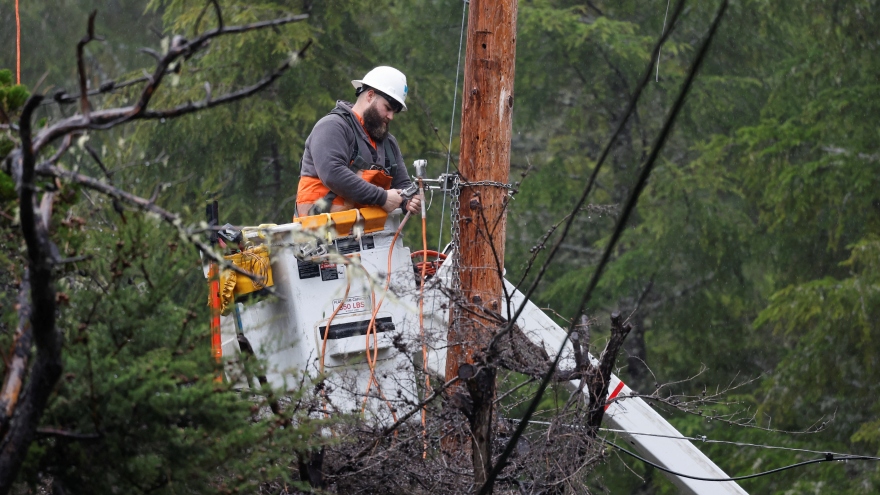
<point>328,151</point>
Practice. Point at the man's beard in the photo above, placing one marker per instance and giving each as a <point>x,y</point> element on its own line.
<point>374,125</point>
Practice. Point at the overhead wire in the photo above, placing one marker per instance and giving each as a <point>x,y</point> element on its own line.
<point>828,457</point>
<point>705,439</point>
<point>615,236</point>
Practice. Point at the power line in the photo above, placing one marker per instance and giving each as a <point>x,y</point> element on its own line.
<point>705,439</point>
<point>829,457</point>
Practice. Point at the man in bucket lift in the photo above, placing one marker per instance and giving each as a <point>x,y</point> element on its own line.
<point>350,158</point>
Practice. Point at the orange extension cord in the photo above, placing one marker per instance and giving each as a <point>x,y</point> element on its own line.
<point>324,343</point>
<point>422,321</point>
<point>17,44</point>
<point>371,329</point>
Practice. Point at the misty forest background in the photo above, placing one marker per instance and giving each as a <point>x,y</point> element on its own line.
<point>753,256</point>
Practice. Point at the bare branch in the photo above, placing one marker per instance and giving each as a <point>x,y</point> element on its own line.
<point>601,375</point>
<point>47,367</point>
<point>71,435</point>
<point>65,145</point>
<point>148,206</point>
<point>94,154</point>
<point>21,351</point>
<point>153,53</point>
<point>105,119</point>
<point>401,420</point>
<point>85,107</point>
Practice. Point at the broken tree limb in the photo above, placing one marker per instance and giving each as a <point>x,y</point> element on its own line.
<point>600,376</point>
<point>21,351</point>
<point>47,366</point>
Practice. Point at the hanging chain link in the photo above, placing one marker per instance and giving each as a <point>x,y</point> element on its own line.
<point>455,216</point>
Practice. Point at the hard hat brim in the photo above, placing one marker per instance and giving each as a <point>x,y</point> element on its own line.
<point>357,83</point>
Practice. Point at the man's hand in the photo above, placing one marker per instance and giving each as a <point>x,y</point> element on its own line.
<point>415,205</point>
<point>394,200</point>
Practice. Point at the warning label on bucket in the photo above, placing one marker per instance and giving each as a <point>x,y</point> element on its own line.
<point>354,304</point>
<point>329,271</point>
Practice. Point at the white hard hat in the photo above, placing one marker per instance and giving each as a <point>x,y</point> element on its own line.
<point>388,80</point>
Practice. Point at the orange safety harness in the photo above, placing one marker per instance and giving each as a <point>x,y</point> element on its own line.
<point>311,190</point>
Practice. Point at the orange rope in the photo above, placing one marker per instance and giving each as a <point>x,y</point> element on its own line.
<point>422,324</point>
<point>17,45</point>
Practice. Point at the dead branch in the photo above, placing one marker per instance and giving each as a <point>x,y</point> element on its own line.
<point>105,119</point>
<point>47,366</point>
<point>21,351</point>
<point>402,419</point>
<point>85,107</point>
<point>147,206</point>
<point>70,435</point>
<point>600,375</point>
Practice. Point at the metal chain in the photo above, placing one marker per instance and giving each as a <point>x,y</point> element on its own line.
<point>511,187</point>
<point>455,216</point>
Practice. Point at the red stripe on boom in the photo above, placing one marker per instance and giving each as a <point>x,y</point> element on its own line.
<point>617,390</point>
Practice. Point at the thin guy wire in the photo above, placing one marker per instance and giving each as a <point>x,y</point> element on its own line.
<point>464,4</point>
<point>658,51</point>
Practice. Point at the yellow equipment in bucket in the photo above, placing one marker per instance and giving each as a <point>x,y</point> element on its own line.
<point>254,260</point>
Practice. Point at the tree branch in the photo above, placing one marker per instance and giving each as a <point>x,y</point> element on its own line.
<point>148,206</point>
<point>21,351</point>
<point>601,374</point>
<point>47,366</point>
<point>105,119</point>
<point>85,107</point>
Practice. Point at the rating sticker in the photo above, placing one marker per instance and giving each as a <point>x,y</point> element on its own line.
<point>354,304</point>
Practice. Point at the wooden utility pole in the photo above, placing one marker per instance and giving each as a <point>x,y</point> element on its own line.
<point>487,108</point>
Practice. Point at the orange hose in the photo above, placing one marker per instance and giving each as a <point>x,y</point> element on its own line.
<point>17,44</point>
